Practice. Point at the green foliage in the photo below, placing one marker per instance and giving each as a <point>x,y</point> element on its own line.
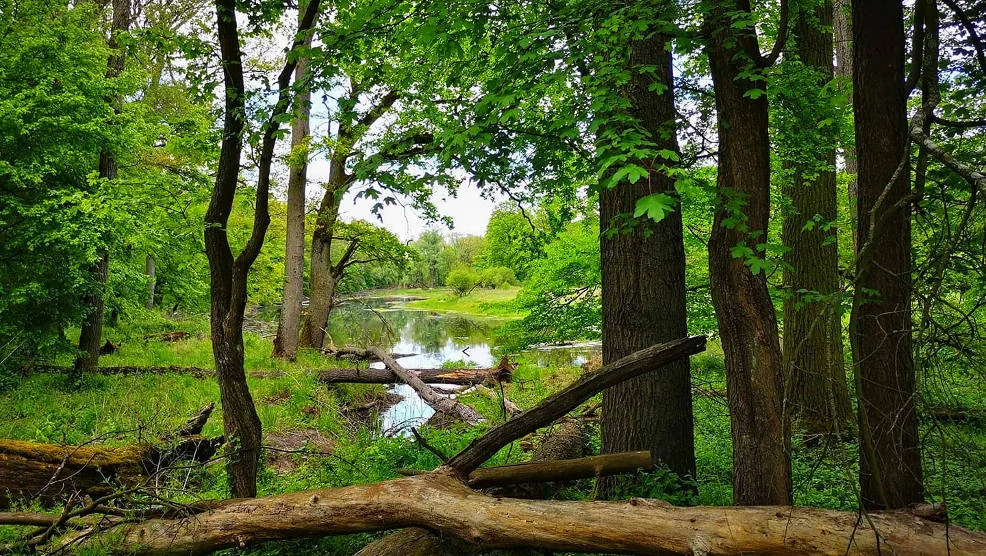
<point>462,280</point>
<point>497,277</point>
<point>511,242</point>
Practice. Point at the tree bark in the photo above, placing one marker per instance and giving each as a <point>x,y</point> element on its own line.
<point>95,302</point>
<point>289,320</point>
<point>643,284</point>
<point>322,283</point>
<point>441,504</point>
<point>502,372</point>
<point>552,470</point>
<point>813,353</point>
<point>229,275</point>
<point>880,324</point>
<point>747,322</point>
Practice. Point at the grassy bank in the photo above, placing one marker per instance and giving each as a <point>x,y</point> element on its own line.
<point>480,302</point>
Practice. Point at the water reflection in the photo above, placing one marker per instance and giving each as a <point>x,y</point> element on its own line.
<point>434,339</point>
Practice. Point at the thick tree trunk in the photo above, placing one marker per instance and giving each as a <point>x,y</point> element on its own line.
<point>443,505</point>
<point>813,353</point>
<point>149,270</point>
<point>747,322</point>
<point>322,281</point>
<point>880,325</point>
<point>289,321</point>
<point>92,324</point>
<point>643,285</point>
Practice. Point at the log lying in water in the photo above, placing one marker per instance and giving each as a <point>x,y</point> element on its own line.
<point>440,503</point>
<point>502,372</point>
<point>46,472</point>
<point>437,401</point>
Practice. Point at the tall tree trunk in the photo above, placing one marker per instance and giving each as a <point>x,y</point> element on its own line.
<point>228,275</point>
<point>812,322</point>
<point>149,270</point>
<point>289,322</point>
<point>880,325</point>
<point>747,322</point>
<point>842,27</point>
<point>323,280</point>
<point>92,324</point>
<point>643,287</point>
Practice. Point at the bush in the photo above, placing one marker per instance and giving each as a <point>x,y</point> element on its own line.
<point>498,277</point>
<point>462,280</point>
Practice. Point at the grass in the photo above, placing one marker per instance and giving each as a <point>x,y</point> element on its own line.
<point>124,409</point>
<point>483,302</point>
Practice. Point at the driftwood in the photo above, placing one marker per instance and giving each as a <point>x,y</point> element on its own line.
<point>48,472</point>
<point>444,505</point>
<point>503,372</point>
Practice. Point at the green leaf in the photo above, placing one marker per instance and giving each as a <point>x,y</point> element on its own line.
<point>655,206</point>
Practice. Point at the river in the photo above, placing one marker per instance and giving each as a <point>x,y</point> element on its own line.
<point>434,339</point>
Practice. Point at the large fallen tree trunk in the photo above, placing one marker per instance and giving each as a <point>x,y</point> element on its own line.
<point>560,469</point>
<point>500,373</point>
<point>47,472</point>
<point>438,402</point>
<point>443,505</point>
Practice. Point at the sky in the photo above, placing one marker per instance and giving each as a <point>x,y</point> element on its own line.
<point>469,211</point>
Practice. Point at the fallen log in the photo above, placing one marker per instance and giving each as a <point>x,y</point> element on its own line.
<point>440,403</point>
<point>557,405</point>
<point>560,469</point>
<point>466,377</point>
<point>362,354</point>
<point>47,472</point>
<point>441,504</point>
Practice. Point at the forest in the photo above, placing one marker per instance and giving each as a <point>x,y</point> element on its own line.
<point>728,297</point>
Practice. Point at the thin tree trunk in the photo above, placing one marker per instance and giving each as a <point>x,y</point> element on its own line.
<point>812,321</point>
<point>643,286</point>
<point>747,322</point>
<point>150,271</point>
<point>289,322</point>
<point>95,301</point>
<point>842,26</point>
<point>880,325</point>
<point>228,276</point>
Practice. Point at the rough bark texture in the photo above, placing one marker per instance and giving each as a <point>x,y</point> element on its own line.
<point>880,326</point>
<point>643,286</point>
<point>289,320</point>
<point>443,505</point>
<point>747,323</point>
<point>551,470</point>
<point>92,323</point>
<point>228,275</point>
<point>322,281</point>
<point>813,353</point>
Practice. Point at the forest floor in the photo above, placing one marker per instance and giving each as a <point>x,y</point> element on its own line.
<point>321,436</point>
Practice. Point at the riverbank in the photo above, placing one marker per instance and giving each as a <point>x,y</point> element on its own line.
<point>481,302</point>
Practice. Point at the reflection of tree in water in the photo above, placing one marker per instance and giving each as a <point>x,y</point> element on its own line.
<point>376,323</point>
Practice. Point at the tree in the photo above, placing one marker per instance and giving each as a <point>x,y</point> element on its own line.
<point>511,241</point>
<point>880,324</point>
<point>92,325</point>
<point>808,124</point>
<point>643,263</point>
<point>747,323</point>
<point>289,320</point>
<point>228,275</point>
